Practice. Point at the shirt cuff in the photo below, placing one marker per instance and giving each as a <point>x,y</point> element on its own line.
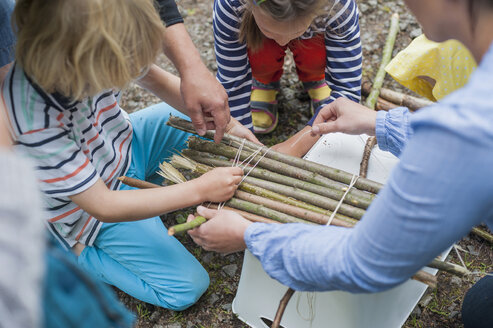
<point>251,233</point>
<point>380,130</point>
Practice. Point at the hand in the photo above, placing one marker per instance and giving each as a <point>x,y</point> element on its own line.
<point>344,115</point>
<point>239,130</point>
<point>299,144</point>
<point>206,101</point>
<point>219,184</point>
<point>223,233</point>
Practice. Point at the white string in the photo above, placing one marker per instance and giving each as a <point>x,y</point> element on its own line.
<point>311,299</point>
<point>235,163</point>
<point>255,165</point>
<point>460,257</point>
<point>353,181</point>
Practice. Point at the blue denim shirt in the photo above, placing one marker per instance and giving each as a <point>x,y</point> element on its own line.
<point>7,38</point>
<point>441,188</point>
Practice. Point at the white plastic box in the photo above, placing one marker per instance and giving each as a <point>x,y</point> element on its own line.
<point>258,295</point>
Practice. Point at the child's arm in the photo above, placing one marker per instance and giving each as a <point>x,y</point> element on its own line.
<point>129,205</point>
<point>299,144</point>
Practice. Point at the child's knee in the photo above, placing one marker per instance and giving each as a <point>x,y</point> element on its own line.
<point>194,286</point>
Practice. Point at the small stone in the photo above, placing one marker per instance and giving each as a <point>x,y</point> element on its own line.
<point>190,324</point>
<point>456,281</point>
<point>416,312</point>
<point>425,301</point>
<point>213,299</point>
<point>207,258</point>
<point>173,325</point>
<point>415,33</point>
<point>452,307</point>
<point>373,3</point>
<point>472,250</point>
<point>158,326</point>
<point>227,307</point>
<point>453,314</point>
<point>363,8</point>
<point>154,316</point>
<point>230,269</point>
<point>231,258</point>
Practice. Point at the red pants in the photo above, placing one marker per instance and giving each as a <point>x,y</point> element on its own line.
<point>309,57</point>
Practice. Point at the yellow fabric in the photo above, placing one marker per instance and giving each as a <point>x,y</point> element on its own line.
<point>449,64</point>
<point>261,120</point>
<point>317,94</point>
<point>263,95</point>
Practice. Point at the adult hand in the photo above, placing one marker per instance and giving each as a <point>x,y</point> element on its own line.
<point>239,130</point>
<point>219,184</point>
<point>206,101</point>
<point>344,115</point>
<point>223,233</point>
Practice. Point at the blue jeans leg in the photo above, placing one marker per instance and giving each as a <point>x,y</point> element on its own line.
<point>7,38</point>
<point>477,307</point>
<point>139,257</point>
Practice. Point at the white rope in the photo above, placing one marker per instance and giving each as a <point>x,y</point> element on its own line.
<point>460,257</point>
<point>311,299</point>
<point>353,181</point>
<point>255,165</point>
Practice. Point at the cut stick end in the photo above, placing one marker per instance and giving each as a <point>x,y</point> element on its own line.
<point>171,231</point>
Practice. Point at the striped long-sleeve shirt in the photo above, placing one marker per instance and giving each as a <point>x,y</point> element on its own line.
<point>340,26</point>
<point>72,146</point>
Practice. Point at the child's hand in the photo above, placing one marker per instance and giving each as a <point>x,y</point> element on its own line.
<point>219,184</point>
<point>237,129</point>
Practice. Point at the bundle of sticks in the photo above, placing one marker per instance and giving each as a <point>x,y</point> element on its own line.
<point>279,188</point>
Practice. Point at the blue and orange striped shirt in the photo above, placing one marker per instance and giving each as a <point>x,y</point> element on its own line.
<point>72,144</point>
<point>340,27</point>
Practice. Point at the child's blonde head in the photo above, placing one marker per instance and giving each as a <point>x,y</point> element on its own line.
<point>279,10</point>
<point>81,47</point>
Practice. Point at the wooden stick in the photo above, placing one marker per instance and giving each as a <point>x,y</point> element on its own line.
<point>397,98</point>
<point>136,183</point>
<point>184,227</point>
<point>426,278</point>
<point>449,267</point>
<point>363,167</point>
<point>385,105</point>
<point>292,210</point>
<point>386,56</point>
<point>329,172</point>
<point>354,197</point>
<point>483,234</point>
<point>282,306</point>
<point>247,215</point>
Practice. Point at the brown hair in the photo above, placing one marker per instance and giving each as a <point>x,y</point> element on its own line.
<point>81,47</point>
<point>280,10</point>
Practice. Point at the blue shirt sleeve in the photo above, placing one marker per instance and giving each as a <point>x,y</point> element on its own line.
<point>393,129</point>
<point>435,195</point>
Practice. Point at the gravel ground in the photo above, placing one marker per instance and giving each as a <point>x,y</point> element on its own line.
<point>437,308</point>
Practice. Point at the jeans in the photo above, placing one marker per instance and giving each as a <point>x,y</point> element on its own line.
<point>139,257</point>
<point>7,37</point>
<point>477,307</point>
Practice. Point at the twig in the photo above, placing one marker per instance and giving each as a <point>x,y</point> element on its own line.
<point>397,98</point>
<point>181,228</point>
<point>363,167</point>
<point>282,306</point>
<point>483,234</point>
<point>136,183</point>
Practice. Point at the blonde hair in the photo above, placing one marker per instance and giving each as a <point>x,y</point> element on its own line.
<point>81,47</point>
<point>280,10</point>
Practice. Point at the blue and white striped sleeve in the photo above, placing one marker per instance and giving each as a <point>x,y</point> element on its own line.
<point>233,67</point>
<point>343,70</point>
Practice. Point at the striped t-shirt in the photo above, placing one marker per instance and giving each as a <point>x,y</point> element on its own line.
<point>340,26</point>
<point>72,145</point>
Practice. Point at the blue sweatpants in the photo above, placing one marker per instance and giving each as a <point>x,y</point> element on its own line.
<point>139,257</point>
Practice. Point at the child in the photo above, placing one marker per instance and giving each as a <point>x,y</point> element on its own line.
<point>251,38</point>
<point>61,98</point>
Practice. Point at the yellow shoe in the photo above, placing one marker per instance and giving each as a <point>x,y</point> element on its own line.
<point>264,107</point>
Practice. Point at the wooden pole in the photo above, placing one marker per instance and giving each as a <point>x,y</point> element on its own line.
<point>397,98</point>
<point>282,306</point>
<point>182,228</point>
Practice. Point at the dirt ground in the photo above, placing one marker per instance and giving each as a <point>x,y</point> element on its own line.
<point>437,308</point>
